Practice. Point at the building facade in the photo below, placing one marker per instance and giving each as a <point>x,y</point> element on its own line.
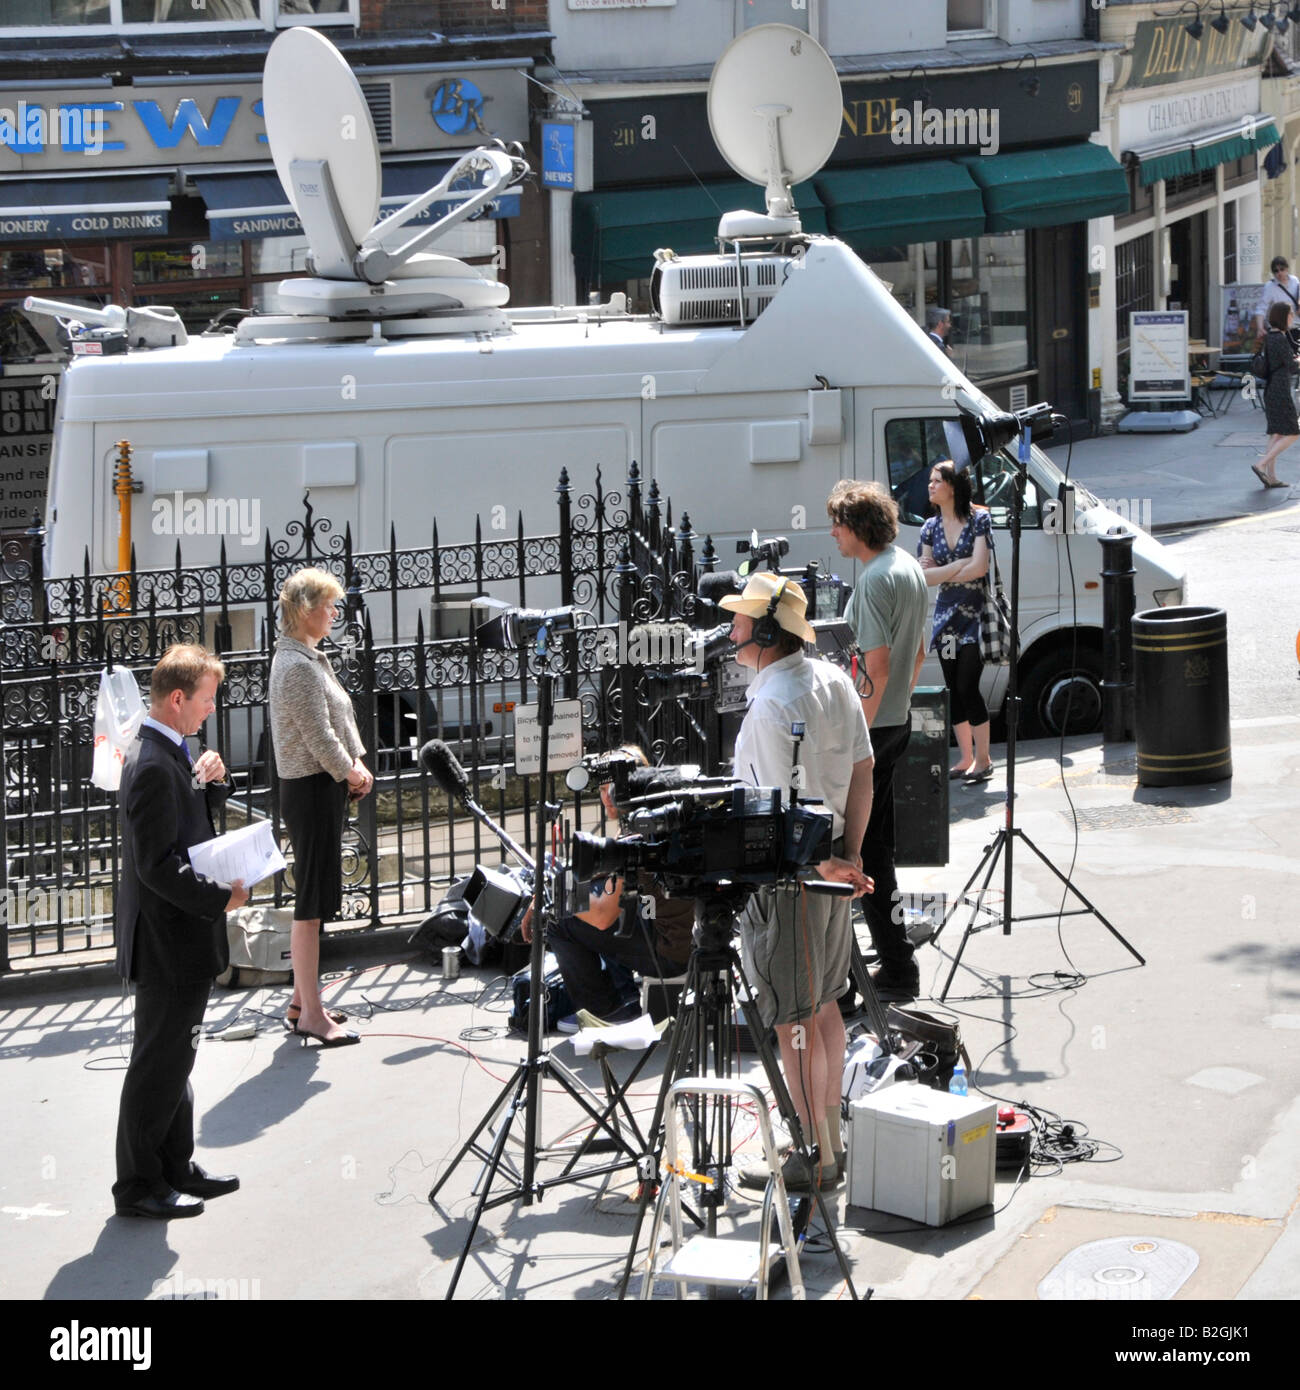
<point>965,172</point>
<point>134,165</point>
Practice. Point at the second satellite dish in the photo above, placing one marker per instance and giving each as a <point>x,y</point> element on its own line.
<point>775,111</point>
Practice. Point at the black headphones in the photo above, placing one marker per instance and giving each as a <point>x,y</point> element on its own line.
<point>767,631</point>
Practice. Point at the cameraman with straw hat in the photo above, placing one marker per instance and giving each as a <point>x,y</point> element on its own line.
<point>802,715</point>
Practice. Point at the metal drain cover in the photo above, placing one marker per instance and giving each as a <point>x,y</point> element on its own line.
<point>1121,1269</point>
<point>1127,816</point>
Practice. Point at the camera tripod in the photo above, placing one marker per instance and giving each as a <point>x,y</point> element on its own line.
<point>705,1028</point>
<point>522,1092</point>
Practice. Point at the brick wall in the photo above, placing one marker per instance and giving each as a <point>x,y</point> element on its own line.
<point>452,16</point>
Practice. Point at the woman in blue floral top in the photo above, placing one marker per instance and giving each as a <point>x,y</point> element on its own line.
<point>954,552</point>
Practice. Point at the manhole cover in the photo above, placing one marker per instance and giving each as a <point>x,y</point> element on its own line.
<point>1123,1268</point>
<point>1126,817</point>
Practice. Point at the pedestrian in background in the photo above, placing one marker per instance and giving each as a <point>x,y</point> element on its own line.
<point>1279,401</point>
<point>954,550</point>
<point>1283,288</point>
<point>938,324</point>
<point>318,760</point>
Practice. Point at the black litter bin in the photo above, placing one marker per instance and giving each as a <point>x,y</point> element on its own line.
<point>1180,678</point>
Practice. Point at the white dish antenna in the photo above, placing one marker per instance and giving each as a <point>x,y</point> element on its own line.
<point>775,110</point>
<point>327,156</point>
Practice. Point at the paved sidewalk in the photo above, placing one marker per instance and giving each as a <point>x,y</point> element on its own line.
<point>1166,481</point>
<point>1187,1065</point>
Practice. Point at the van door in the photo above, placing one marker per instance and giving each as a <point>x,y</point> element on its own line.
<point>905,447</point>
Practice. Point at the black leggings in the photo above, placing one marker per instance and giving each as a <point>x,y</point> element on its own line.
<point>962,675</point>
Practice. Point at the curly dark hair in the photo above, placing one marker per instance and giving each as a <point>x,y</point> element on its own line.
<point>959,481</point>
<point>866,509</point>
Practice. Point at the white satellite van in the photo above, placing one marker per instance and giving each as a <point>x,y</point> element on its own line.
<point>397,386</point>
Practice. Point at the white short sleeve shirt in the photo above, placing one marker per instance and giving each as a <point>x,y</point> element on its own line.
<point>817,694</point>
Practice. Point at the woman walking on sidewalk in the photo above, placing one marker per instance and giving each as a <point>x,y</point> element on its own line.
<point>1279,403</point>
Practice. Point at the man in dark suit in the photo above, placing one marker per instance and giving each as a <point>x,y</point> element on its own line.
<point>938,324</point>
<point>171,937</point>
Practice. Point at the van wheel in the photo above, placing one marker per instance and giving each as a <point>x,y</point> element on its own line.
<point>1053,688</point>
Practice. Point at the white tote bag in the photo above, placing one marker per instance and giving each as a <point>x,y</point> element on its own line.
<point>119,710</point>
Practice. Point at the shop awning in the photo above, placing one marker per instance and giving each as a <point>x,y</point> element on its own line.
<point>1206,151</point>
<point>1046,188</point>
<point>616,234</point>
<point>84,208</point>
<point>898,204</point>
<point>252,203</point>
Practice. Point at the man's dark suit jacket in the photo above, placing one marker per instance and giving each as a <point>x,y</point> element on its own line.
<point>171,921</point>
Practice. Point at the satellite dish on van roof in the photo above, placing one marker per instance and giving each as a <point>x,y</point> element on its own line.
<point>317,118</point>
<point>327,156</point>
<point>775,110</point>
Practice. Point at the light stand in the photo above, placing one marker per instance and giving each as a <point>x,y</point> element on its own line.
<point>523,1089</point>
<point>1003,842</point>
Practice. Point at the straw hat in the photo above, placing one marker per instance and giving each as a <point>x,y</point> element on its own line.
<point>757,599</point>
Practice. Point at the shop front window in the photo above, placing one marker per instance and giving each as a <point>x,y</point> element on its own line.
<point>966,17</point>
<point>32,13</point>
<point>751,13</point>
<point>36,14</point>
<point>198,311</point>
<point>911,272</point>
<point>54,268</point>
<point>188,260</point>
<point>990,308</point>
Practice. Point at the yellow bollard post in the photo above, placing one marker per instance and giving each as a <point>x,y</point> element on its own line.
<point>123,485</point>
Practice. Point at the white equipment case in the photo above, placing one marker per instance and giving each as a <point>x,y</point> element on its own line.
<point>921,1153</point>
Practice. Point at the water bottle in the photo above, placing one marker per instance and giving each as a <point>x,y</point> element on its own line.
<point>957,1086</point>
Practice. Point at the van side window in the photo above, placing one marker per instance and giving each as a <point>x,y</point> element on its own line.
<point>995,482</point>
<point>913,447</point>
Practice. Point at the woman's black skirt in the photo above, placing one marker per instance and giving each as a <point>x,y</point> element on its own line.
<point>313,810</point>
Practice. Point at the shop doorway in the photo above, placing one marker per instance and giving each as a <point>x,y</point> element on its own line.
<point>1189,269</point>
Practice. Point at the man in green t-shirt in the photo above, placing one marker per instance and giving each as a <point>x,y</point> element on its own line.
<point>887,613</point>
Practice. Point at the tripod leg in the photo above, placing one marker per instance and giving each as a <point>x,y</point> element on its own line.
<point>1020,834</point>
<point>469,1144</point>
<point>649,1169</point>
<point>960,899</point>
<point>520,1083</point>
<point>871,1004</point>
<point>990,861</point>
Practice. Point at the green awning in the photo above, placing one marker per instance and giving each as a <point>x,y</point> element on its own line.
<point>615,234</point>
<point>1209,151</point>
<point>900,204</point>
<point>1045,188</point>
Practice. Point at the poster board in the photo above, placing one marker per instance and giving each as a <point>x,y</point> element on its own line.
<point>1158,366</point>
<point>1239,304</point>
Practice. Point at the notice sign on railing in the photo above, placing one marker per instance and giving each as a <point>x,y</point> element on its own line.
<point>1158,366</point>
<point>26,428</point>
<point>564,746</point>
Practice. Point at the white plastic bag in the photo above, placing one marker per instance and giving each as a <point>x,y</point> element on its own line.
<point>119,710</point>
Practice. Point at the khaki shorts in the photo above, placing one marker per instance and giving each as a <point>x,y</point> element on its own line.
<point>795,949</point>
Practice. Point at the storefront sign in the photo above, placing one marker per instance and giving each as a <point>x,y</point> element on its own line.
<point>1164,52</point>
<point>1158,366</point>
<point>1166,119</point>
<point>653,140</point>
<point>557,155</point>
<point>26,428</point>
<point>90,129</point>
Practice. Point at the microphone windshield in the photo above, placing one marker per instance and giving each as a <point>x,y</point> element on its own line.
<point>723,584</point>
<point>440,763</point>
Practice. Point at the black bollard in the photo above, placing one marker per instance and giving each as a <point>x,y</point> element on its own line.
<point>1117,637</point>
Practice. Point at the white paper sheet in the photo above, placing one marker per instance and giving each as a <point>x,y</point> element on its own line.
<point>249,854</point>
<point>638,1034</point>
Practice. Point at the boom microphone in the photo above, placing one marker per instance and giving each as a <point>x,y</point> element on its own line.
<point>440,763</point>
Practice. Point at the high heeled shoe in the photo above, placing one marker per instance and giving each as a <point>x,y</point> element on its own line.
<point>344,1040</point>
<point>294,1012</point>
